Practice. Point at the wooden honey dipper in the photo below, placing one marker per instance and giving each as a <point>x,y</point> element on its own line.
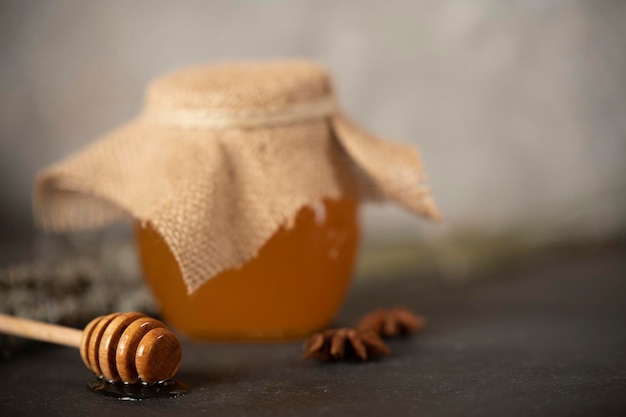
<point>127,347</point>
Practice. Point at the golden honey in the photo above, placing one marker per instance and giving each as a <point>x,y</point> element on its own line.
<point>292,288</point>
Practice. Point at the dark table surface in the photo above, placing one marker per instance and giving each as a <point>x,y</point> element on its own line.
<point>542,339</point>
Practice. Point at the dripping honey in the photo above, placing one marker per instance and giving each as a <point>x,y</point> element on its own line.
<point>293,287</point>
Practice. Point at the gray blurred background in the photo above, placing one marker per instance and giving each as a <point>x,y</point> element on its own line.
<point>518,107</point>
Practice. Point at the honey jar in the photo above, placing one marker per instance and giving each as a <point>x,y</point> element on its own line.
<point>243,180</point>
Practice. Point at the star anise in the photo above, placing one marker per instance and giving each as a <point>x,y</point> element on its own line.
<point>394,322</point>
<point>344,343</point>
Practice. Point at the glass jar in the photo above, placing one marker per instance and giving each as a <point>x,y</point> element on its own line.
<point>292,288</point>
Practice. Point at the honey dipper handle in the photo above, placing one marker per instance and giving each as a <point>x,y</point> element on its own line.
<point>40,331</point>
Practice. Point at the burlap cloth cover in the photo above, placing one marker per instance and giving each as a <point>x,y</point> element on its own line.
<point>221,157</point>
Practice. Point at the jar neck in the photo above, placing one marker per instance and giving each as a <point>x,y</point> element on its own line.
<point>209,118</point>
